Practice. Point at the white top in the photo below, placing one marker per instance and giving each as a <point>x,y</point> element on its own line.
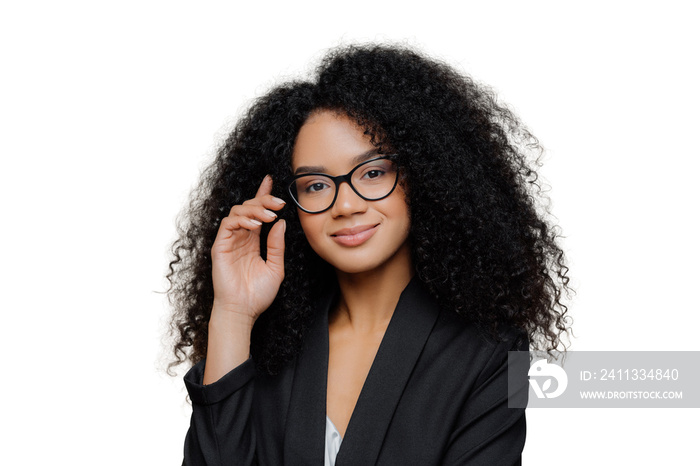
<point>333,441</point>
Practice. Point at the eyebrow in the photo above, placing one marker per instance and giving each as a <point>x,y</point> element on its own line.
<point>322,169</point>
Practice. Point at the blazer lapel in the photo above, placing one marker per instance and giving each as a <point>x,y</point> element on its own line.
<point>304,439</point>
<point>403,342</point>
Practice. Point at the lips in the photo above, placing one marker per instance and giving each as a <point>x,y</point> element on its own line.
<point>354,236</point>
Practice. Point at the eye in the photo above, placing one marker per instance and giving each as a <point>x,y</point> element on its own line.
<point>373,173</point>
<point>315,186</point>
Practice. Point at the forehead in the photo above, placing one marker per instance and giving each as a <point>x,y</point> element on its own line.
<point>332,141</point>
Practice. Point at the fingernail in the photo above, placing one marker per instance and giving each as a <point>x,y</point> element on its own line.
<point>257,222</point>
<point>278,200</point>
<point>284,226</point>
<point>270,213</point>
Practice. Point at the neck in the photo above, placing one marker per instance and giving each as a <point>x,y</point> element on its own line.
<point>368,299</point>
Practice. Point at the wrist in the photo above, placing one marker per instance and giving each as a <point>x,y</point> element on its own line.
<point>228,318</point>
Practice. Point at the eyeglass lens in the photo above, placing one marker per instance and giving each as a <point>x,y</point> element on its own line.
<point>372,180</point>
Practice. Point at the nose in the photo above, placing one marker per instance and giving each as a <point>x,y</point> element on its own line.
<point>347,202</point>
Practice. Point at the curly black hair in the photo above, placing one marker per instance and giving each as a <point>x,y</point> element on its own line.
<point>480,237</point>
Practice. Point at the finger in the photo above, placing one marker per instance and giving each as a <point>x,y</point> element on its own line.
<point>272,202</point>
<point>275,248</point>
<point>267,200</point>
<point>265,186</point>
<point>230,225</point>
<point>256,211</point>
<point>232,232</point>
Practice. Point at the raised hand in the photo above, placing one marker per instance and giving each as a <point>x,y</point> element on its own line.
<point>244,284</point>
<point>243,281</point>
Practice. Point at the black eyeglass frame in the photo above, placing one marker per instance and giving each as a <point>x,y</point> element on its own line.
<point>337,180</point>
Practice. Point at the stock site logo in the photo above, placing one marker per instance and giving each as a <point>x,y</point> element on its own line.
<point>541,370</point>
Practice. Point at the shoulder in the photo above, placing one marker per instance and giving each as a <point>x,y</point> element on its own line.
<point>459,347</point>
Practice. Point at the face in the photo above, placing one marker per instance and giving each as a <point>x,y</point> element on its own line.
<point>354,235</point>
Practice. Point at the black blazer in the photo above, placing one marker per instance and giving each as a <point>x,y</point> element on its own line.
<point>435,394</point>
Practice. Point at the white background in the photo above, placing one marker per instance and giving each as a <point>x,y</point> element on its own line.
<point>108,111</point>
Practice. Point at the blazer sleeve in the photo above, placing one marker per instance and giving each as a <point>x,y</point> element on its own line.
<point>221,430</point>
<point>489,432</point>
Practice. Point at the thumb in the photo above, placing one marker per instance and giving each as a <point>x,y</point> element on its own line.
<point>275,248</point>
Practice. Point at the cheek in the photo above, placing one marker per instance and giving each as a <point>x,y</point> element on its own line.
<point>399,209</point>
<point>312,225</point>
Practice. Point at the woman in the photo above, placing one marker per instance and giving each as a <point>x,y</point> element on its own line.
<point>356,306</point>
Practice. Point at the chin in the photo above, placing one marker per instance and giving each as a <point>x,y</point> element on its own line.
<point>354,269</point>
<point>354,266</point>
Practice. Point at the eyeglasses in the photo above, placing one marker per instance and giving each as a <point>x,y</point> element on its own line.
<point>372,180</point>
